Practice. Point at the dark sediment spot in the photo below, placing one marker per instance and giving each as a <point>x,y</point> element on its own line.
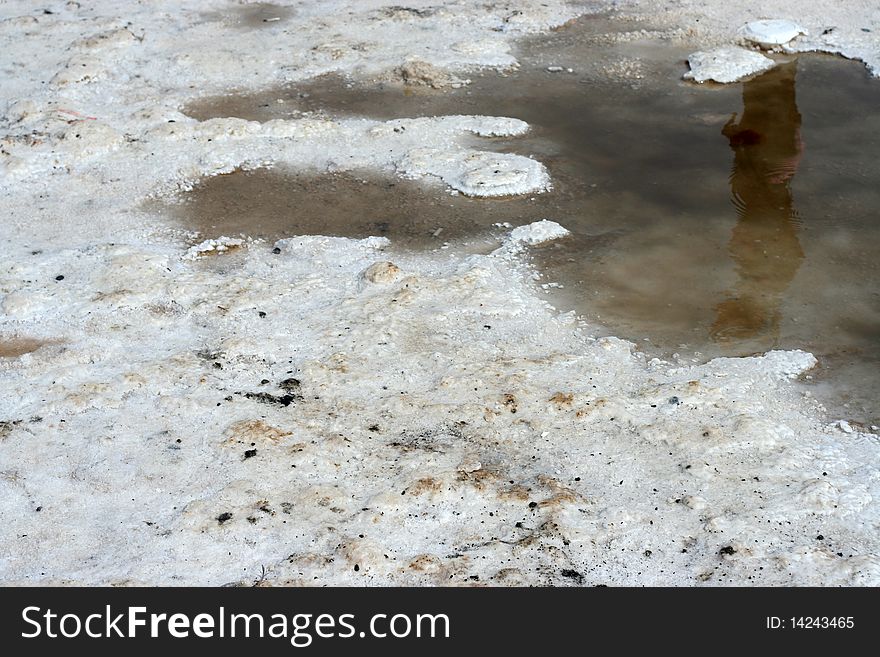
<point>207,354</point>
<point>266,398</point>
<point>6,427</point>
<point>290,385</point>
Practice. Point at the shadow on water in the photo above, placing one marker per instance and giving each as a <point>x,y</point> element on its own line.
<point>668,247</point>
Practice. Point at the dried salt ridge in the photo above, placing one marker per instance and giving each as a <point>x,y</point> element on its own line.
<point>851,30</point>
<point>787,36</point>
<point>478,173</point>
<point>771,34</point>
<point>732,63</point>
<point>337,412</point>
<point>213,246</point>
<point>415,148</point>
<point>538,232</point>
<point>726,64</point>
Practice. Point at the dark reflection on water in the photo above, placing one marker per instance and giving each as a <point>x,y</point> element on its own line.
<point>767,146</point>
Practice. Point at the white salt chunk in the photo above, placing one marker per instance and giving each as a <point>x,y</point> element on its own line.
<point>726,64</point>
<point>538,232</point>
<point>771,33</point>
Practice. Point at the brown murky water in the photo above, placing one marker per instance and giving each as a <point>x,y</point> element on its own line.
<point>275,203</point>
<point>252,16</point>
<point>706,220</point>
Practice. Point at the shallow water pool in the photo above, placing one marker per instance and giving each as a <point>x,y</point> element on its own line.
<point>706,220</point>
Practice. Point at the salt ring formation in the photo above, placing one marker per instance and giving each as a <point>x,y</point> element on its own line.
<point>203,409</point>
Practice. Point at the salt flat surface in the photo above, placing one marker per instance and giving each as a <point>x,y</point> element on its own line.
<point>328,410</point>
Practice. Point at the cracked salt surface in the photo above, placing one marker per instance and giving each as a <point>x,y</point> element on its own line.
<point>445,427</point>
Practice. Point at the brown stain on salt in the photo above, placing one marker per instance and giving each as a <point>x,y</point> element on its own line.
<point>253,16</point>
<point>15,347</point>
<point>562,400</point>
<point>425,485</point>
<point>255,431</point>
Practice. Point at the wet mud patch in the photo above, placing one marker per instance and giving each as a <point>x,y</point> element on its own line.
<point>252,16</point>
<point>584,52</point>
<point>333,94</point>
<point>15,347</point>
<point>275,203</point>
<point>706,220</point>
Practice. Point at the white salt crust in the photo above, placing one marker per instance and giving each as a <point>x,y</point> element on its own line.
<point>425,418</point>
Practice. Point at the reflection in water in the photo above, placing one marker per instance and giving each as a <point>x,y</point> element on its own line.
<point>764,245</point>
